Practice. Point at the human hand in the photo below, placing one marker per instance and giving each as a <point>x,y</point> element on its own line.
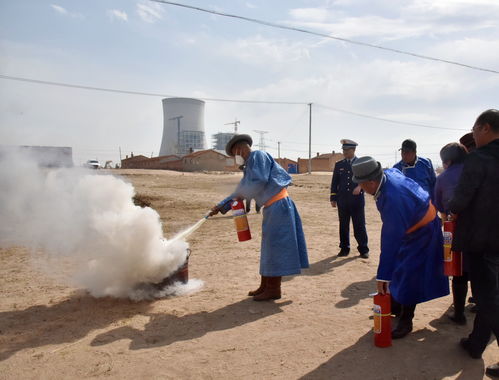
<point>357,190</point>
<point>333,203</point>
<point>214,210</point>
<point>382,287</point>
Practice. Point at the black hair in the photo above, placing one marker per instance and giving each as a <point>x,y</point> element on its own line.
<point>454,153</point>
<point>490,117</point>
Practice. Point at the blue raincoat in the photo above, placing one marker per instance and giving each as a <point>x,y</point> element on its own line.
<point>412,262</point>
<point>283,250</point>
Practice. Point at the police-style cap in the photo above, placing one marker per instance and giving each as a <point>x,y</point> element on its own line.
<point>348,144</point>
<point>366,169</point>
<point>408,145</point>
<point>237,139</point>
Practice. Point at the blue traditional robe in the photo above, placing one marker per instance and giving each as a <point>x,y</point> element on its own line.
<point>283,249</point>
<point>412,262</point>
<point>422,172</point>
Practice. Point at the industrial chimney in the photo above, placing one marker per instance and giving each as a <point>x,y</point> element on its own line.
<point>183,126</point>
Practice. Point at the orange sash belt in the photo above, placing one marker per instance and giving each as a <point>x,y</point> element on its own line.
<point>429,216</point>
<point>280,195</point>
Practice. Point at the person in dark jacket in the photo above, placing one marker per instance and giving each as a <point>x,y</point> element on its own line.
<point>476,203</point>
<point>348,197</point>
<point>453,156</point>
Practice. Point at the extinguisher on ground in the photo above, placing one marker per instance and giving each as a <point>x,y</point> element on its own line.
<point>241,220</point>
<point>382,320</point>
<point>453,261</point>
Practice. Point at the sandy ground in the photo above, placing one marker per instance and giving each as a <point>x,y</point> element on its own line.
<point>320,329</point>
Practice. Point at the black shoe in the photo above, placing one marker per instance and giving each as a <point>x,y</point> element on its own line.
<point>493,370</point>
<point>343,252</point>
<point>403,328</point>
<point>364,255</point>
<point>460,319</point>
<point>465,344</point>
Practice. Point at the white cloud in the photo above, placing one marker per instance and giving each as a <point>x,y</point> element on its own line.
<point>261,51</point>
<point>59,9</point>
<point>472,51</point>
<point>454,7</point>
<point>150,12</point>
<point>309,14</point>
<point>417,18</point>
<point>117,14</point>
<point>65,12</point>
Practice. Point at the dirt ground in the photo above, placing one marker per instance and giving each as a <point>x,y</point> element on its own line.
<point>320,329</point>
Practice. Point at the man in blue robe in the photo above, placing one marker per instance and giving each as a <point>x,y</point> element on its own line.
<point>418,168</point>
<point>283,248</point>
<point>411,259</point>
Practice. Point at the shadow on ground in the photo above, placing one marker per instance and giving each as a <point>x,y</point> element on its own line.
<point>423,354</point>
<point>355,292</point>
<point>323,266</point>
<point>64,322</point>
<point>165,329</point>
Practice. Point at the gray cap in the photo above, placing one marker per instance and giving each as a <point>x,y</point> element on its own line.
<point>236,139</point>
<point>366,169</point>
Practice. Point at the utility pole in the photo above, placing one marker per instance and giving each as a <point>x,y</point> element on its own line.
<point>278,149</point>
<point>310,138</point>
<point>235,123</point>
<point>178,131</point>
<point>120,152</point>
<point>261,142</point>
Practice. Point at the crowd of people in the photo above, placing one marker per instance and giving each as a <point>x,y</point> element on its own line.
<point>408,197</point>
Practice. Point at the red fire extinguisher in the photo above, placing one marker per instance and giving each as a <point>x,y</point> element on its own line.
<point>382,320</point>
<point>241,220</point>
<point>453,261</point>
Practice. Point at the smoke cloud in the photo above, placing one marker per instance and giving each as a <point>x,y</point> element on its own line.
<point>86,226</point>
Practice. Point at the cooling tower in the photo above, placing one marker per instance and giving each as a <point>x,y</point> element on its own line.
<point>183,126</point>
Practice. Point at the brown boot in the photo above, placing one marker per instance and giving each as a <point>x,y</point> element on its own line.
<point>260,289</point>
<point>272,290</point>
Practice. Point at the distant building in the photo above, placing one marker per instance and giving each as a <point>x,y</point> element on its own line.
<point>134,162</point>
<point>45,156</point>
<point>320,163</point>
<point>203,160</point>
<point>221,139</point>
<point>289,165</point>
<point>209,160</point>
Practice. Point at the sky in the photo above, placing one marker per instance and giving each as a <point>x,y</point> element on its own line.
<point>149,47</point>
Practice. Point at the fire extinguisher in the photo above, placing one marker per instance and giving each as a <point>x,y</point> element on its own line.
<point>382,320</point>
<point>241,220</point>
<point>453,261</point>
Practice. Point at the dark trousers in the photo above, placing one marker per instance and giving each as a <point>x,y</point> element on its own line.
<point>459,292</point>
<point>405,312</point>
<point>484,277</point>
<point>347,211</point>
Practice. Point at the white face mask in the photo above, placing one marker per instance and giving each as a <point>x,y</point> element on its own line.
<point>239,159</point>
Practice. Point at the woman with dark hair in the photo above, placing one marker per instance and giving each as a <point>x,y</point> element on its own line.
<point>452,155</point>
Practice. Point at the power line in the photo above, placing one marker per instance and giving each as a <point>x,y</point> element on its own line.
<point>280,26</point>
<point>141,93</point>
<point>128,92</point>
<point>387,120</point>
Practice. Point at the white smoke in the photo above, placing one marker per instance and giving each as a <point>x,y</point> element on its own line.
<point>88,227</point>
